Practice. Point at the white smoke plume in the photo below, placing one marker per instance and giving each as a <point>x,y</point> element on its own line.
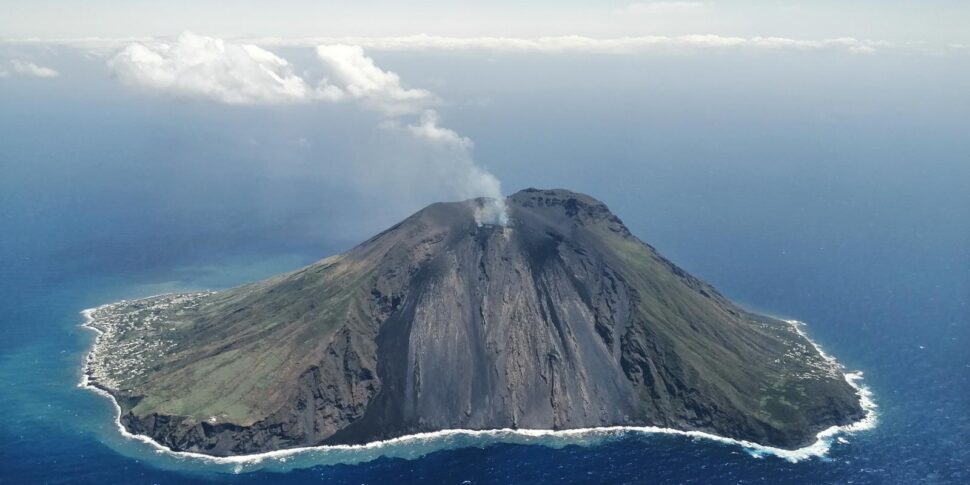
<point>242,74</point>
<point>352,75</point>
<point>472,180</point>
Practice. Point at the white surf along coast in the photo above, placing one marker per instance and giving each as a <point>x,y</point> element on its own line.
<point>416,445</point>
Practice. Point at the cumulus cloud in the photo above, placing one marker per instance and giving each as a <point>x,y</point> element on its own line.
<point>578,43</point>
<point>26,68</point>
<point>242,73</point>
<point>199,66</point>
<point>661,8</point>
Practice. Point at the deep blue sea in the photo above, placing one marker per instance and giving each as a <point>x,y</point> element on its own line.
<point>848,212</point>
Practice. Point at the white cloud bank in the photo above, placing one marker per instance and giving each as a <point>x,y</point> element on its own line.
<point>26,68</point>
<point>245,74</point>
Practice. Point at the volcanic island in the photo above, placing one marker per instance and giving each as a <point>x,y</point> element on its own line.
<point>558,319</point>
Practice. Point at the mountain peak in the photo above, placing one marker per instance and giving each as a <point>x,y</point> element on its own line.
<point>577,207</point>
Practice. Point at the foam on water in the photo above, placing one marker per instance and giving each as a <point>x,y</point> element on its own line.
<point>420,444</point>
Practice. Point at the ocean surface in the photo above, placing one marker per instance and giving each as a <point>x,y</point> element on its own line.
<point>857,224</point>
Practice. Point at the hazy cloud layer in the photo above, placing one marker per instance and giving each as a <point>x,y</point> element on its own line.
<point>578,43</point>
<point>630,45</point>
